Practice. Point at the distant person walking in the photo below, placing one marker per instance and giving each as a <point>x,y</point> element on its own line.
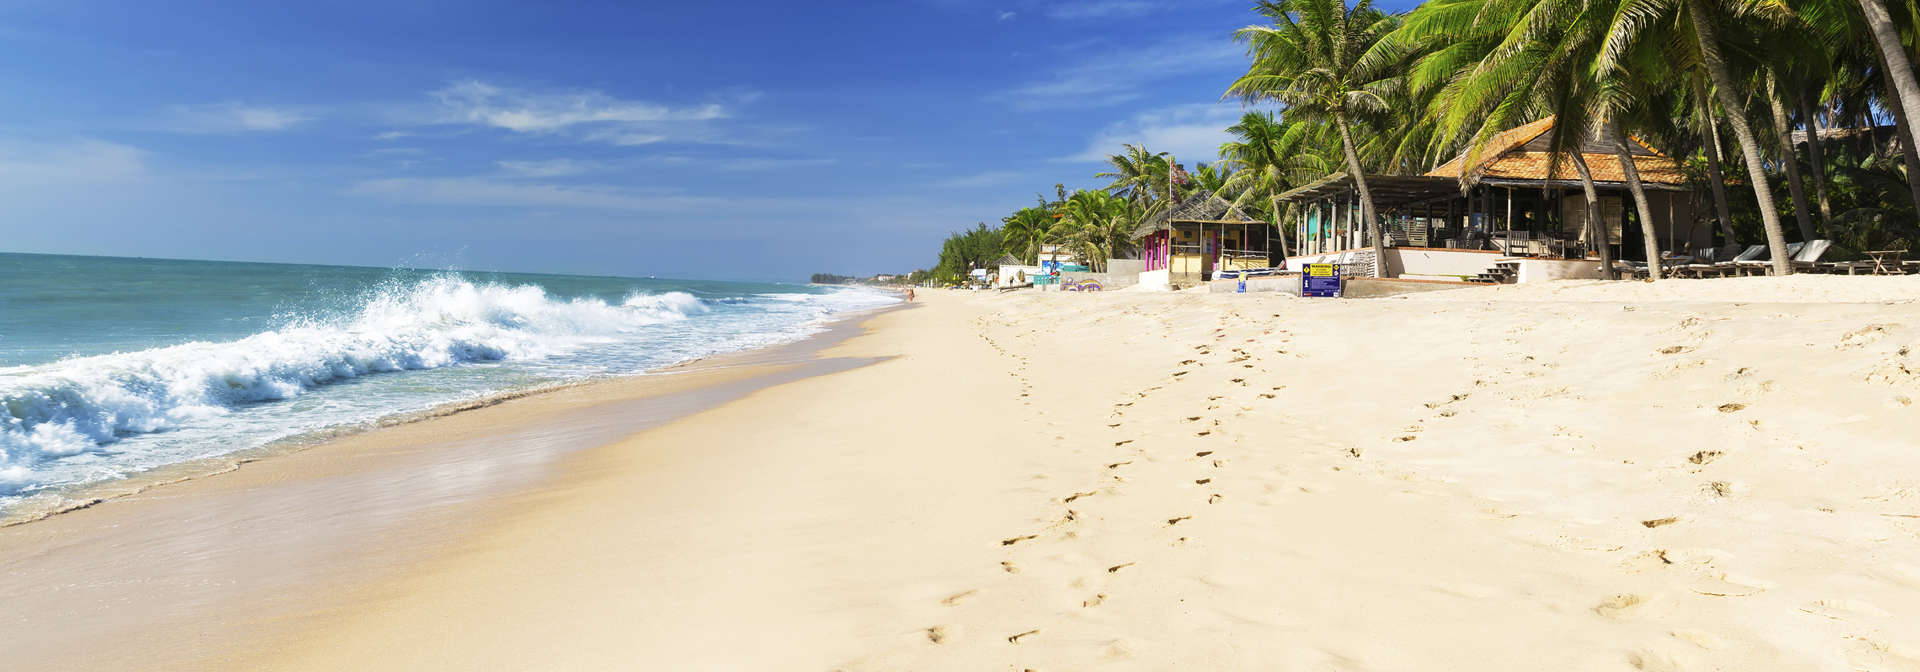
<point>909,295</point>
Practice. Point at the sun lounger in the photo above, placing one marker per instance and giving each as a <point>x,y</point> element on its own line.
<point>1809,257</point>
<point>1763,266</point>
<point>1720,268</point>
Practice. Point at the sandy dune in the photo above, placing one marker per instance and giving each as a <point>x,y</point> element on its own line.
<point>1568,477</point>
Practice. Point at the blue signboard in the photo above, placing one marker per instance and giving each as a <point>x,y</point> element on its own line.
<point>1320,280</point>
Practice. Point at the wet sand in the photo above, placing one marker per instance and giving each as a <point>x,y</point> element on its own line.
<point>211,557</point>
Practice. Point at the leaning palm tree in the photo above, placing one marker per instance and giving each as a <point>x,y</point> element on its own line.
<point>1322,59</point>
<point>1704,19</point>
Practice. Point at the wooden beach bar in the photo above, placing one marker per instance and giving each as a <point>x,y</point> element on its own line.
<point>1515,223</point>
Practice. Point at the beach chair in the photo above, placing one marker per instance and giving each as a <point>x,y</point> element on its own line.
<point>1762,264</point>
<point>1721,268</point>
<point>1809,257</point>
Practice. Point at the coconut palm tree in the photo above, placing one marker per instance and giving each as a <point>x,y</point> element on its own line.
<point>1095,225</point>
<point>1144,178</point>
<point>1324,60</point>
<point>1024,231</point>
<point>1269,158</point>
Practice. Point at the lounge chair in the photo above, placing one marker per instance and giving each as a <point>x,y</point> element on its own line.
<point>1763,264</point>
<point>1809,257</point>
<point>1720,268</point>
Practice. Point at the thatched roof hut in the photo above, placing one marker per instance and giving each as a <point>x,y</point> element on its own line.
<point>1200,207</point>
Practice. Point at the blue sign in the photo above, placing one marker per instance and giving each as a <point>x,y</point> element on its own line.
<point>1320,280</point>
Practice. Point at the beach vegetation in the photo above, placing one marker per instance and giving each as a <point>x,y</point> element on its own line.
<point>1778,110</point>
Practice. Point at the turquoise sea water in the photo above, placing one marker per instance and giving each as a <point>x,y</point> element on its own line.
<point>110,367</point>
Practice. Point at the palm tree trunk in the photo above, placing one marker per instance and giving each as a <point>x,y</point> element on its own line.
<point>1285,251</point>
<point>1904,133</point>
<point>1598,235</point>
<point>1712,149</point>
<point>1366,197</point>
<point>1639,201</point>
<point>1817,155</point>
<point>1783,130</point>
<point>1899,70</point>
<point>1749,147</point>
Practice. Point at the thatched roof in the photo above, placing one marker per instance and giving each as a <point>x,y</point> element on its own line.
<point>1008,260</point>
<point>1520,154</point>
<point>1201,206</point>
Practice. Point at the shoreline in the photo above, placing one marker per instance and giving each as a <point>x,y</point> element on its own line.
<point>65,499</point>
<point>385,495</point>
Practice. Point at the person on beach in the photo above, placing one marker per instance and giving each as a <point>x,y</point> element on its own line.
<point>909,295</point>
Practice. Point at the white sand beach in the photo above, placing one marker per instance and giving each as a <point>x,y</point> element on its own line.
<point>1687,475</point>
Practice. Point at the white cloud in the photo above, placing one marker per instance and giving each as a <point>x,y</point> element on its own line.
<point>987,179</point>
<point>593,115</point>
<point>469,191</point>
<point>1096,9</point>
<point>1119,75</point>
<point>1006,16</point>
<point>1193,133</point>
<point>82,162</point>
<point>230,119</point>
<point>551,168</point>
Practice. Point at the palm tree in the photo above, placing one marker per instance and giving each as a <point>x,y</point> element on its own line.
<point>1524,60</point>
<point>1094,224</point>
<point>1706,38</point>
<point>1324,60</point>
<point>1899,71</point>
<point>1268,159</point>
<point>1144,178</point>
<point>1024,231</point>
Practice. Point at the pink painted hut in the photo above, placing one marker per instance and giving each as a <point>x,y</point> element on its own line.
<point>1202,234</point>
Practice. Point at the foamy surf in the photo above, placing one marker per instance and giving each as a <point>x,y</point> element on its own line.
<point>325,363</point>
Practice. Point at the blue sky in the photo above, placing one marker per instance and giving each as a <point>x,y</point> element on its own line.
<point>743,140</point>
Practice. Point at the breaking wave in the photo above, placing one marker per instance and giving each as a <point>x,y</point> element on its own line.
<point>88,403</point>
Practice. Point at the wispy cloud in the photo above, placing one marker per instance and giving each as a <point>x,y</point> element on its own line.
<point>81,162</point>
<point>550,168</point>
<point>229,119</point>
<point>1005,16</point>
<point>1109,77</point>
<point>1193,133</point>
<point>1104,9</point>
<point>475,191</point>
<point>591,115</point>
<point>987,179</point>
<point>1095,9</point>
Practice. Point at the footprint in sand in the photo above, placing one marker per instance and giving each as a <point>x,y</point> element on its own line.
<point>1843,610</point>
<point>941,634</point>
<point>1872,655</point>
<point>1701,638</point>
<point>1016,638</point>
<point>958,598</point>
<point>1012,567</point>
<point>1625,606</point>
<point>1727,584</point>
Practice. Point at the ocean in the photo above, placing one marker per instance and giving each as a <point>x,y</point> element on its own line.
<point>113,367</point>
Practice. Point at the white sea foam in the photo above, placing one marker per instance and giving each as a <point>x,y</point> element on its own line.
<point>86,404</point>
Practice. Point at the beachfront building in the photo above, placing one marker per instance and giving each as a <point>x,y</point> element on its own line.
<point>1182,247</point>
<point>1516,223</point>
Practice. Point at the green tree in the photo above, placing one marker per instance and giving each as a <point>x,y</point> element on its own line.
<point>1323,59</point>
